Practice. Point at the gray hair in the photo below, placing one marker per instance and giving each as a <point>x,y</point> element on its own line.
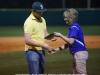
<point>71,14</point>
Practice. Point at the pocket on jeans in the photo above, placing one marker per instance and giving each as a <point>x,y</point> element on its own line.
<point>32,56</point>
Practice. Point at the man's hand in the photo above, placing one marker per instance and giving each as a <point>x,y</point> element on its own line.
<point>47,46</point>
<point>53,51</point>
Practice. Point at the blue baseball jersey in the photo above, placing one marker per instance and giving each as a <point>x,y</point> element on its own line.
<point>76,32</point>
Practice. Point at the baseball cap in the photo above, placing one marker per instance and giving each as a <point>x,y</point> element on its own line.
<point>38,6</point>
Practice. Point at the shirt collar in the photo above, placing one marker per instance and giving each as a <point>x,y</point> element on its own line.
<point>73,24</point>
<point>32,16</point>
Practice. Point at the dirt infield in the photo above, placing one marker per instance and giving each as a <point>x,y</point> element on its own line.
<point>17,43</point>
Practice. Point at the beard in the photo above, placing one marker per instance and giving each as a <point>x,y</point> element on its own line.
<point>39,19</point>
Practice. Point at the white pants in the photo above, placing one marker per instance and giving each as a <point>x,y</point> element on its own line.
<point>79,62</point>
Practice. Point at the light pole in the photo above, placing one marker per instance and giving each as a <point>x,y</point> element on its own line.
<point>63,3</point>
<point>88,4</point>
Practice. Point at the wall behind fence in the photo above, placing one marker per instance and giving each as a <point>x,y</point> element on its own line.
<point>54,17</point>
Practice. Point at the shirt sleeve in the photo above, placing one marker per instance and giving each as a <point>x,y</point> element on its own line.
<point>74,32</point>
<point>28,28</point>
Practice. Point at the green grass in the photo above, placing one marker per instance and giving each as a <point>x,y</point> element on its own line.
<point>87,30</point>
<point>60,63</point>
<point>18,31</point>
<point>12,63</point>
<point>11,31</point>
<point>15,63</point>
<point>91,30</point>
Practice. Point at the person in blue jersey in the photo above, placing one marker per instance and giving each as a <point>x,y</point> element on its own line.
<point>74,41</point>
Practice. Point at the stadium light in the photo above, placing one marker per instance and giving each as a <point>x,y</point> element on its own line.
<point>88,4</point>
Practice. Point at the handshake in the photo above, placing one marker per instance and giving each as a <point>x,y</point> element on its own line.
<point>53,51</point>
<point>50,49</point>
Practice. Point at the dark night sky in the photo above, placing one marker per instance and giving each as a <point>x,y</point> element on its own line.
<point>49,3</point>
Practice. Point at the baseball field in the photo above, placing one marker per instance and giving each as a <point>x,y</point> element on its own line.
<point>17,43</point>
<point>12,58</point>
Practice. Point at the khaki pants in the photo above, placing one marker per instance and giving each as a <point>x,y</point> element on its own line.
<point>79,62</point>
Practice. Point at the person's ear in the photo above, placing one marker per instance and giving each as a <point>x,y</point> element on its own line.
<point>33,10</point>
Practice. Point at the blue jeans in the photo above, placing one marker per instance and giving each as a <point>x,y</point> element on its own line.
<point>36,61</point>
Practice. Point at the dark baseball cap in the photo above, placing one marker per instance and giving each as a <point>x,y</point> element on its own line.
<point>38,6</point>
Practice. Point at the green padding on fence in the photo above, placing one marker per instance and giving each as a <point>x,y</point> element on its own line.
<point>13,17</point>
<point>17,18</point>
